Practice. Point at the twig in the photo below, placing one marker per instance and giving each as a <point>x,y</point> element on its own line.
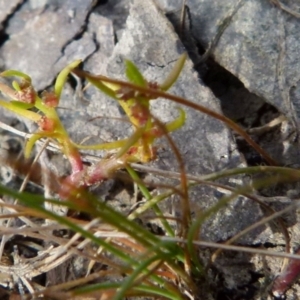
<point>267,127</point>
<point>182,16</point>
<point>286,8</point>
<point>51,146</point>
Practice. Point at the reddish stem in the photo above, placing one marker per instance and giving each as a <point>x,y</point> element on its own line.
<point>76,162</point>
<point>287,277</point>
<point>82,178</point>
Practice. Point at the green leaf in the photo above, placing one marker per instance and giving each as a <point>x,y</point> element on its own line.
<point>131,141</point>
<point>144,268</point>
<point>103,146</point>
<point>22,105</point>
<point>134,75</point>
<point>144,190</point>
<point>152,291</point>
<point>20,110</point>
<point>16,86</point>
<point>62,77</point>
<point>11,73</point>
<point>177,123</point>
<point>174,74</point>
<point>30,143</point>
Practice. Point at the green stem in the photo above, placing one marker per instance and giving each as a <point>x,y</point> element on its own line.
<point>148,196</point>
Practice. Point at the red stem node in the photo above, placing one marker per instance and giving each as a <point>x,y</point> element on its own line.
<point>89,176</point>
<point>287,277</point>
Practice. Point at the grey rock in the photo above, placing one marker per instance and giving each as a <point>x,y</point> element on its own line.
<point>7,8</point>
<point>38,47</point>
<point>103,31</point>
<point>260,46</point>
<point>37,3</point>
<point>77,49</point>
<point>117,10</point>
<point>169,6</point>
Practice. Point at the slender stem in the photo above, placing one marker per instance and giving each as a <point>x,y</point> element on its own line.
<point>148,196</point>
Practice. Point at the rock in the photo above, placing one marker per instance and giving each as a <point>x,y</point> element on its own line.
<point>37,3</point>
<point>168,6</point>
<point>117,10</point>
<point>260,46</point>
<point>103,30</point>
<point>6,8</point>
<point>39,39</point>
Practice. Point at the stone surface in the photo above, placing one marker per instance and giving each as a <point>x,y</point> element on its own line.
<point>7,7</point>
<point>168,6</point>
<point>37,3</point>
<point>260,46</point>
<point>40,39</point>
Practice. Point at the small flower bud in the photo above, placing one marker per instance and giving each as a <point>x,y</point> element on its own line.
<point>50,99</point>
<point>125,93</point>
<point>46,124</point>
<point>27,93</point>
<point>140,113</point>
